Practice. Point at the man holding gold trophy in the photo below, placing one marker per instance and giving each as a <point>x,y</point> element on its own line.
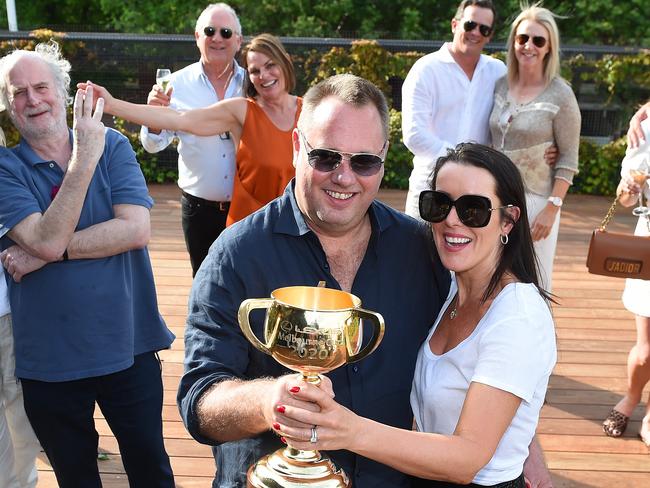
<point>327,229</point>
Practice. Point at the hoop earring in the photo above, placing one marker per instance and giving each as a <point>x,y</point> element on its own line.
<point>504,239</point>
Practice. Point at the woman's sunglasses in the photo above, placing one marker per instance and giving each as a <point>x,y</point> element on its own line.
<point>472,210</point>
<point>225,32</point>
<point>470,25</point>
<point>522,39</point>
<point>327,160</point>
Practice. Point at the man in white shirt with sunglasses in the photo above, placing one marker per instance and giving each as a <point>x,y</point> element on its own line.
<point>206,165</point>
<point>447,95</point>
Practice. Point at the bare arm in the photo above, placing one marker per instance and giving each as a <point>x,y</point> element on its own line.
<point>233,409</point>
<point>224,116</point>
<point>535,469</point>
<point>129,229</point>
<point>486,414</point>
<point>46,235</point>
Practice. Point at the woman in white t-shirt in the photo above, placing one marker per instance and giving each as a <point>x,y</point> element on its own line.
<point>482,373</point>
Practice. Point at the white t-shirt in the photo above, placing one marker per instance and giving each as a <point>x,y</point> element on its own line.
<point>513,349</point>
<point>4,294</point>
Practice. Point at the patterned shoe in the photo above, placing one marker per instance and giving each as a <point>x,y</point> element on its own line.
<point>615,423</point>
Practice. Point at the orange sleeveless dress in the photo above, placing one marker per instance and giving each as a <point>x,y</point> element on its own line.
<point>264,163</point>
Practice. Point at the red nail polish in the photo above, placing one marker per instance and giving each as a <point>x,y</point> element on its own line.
<point>280,408</point>
<point>294,389</point>
<point>284,441</point>
<point>276,426</point>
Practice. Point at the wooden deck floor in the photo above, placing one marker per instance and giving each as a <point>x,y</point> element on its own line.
<point>594,334</point>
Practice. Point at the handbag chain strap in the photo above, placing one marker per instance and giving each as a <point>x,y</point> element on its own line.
<point>608,216</point>
<point>612,210</point>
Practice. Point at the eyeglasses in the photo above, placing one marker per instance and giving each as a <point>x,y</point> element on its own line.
<point>327,160</point>
<point>470,25</point>
<point>472,210</point>
<point>226,32</point>
<point>539,41</point>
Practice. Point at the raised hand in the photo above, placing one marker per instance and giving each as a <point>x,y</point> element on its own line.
<point>159,97</point>
<point>98,92</point>
<point>88,129</point>
<point>635,136</point>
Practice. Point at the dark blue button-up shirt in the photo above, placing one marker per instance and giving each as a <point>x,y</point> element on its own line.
<point>274,248</point>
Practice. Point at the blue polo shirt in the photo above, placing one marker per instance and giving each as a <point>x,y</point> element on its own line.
<point>274,247</point>
<point>87,317</point>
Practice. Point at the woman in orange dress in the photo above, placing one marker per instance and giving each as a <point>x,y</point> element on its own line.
<point>260,125</point>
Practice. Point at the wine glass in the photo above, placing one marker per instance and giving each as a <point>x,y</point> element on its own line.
<point>162,78</point>
<point>640,176</point>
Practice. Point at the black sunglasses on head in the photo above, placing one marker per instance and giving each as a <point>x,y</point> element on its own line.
<point>327,160</point>
<point>225,32</point>
<point>472,210</point>
<point>470,25</point>
<point>522,39</point>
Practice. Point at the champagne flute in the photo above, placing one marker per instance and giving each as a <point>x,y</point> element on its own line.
<point>640,176</point>
<point>162,78</point>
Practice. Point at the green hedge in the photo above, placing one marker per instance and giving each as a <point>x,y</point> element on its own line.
<point>622,81</point>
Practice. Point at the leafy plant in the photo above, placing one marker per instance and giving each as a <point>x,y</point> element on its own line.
<point>599,167</point>
<point>152,171</point>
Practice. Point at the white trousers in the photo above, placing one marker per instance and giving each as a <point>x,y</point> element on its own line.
<point>544,248</point>
<point>18,444</point>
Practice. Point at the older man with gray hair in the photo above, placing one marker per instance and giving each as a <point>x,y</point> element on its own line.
<point>74,225</point>
<point>206,165</point>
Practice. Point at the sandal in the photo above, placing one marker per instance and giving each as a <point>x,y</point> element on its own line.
<point>615,423</point>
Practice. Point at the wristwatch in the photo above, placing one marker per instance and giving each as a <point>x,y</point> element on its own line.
<point>557,201</point>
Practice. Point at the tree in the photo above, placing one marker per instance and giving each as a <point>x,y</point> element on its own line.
<point>584,22</point>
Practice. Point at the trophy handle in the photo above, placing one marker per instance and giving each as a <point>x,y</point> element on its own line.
<point>244,310</point>
<point>378,334</point>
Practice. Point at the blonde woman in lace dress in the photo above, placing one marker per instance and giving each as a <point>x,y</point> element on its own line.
<point>534,108</point>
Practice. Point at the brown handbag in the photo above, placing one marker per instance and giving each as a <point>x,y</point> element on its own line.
<point>618,255</point>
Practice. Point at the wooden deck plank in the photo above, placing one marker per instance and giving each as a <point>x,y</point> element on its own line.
<point>594,335</point>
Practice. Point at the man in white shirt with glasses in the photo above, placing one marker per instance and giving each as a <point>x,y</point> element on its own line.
<point>447,95</point>
<point>206,165</point>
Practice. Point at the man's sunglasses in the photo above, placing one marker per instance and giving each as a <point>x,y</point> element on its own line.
<point>225,32</point>
<point>470,25</point>
<point>327,160</point>
<point>472,210</point>
<point>522,39</point>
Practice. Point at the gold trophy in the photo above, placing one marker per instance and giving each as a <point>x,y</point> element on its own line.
<point>310,330</point>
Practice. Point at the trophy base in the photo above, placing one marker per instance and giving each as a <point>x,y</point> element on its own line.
<point>291,468</point>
